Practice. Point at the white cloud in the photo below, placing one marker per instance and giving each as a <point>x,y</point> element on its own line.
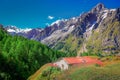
<point>50,17</point>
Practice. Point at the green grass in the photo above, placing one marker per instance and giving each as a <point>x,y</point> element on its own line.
<point>97,42</point>
<point>71,44</point>
<point>46,72</point>
<point>96,73</point>
<point>110,70</point>
<point>93,72</point>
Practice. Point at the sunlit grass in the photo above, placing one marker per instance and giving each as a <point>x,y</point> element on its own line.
<point>110,70</point>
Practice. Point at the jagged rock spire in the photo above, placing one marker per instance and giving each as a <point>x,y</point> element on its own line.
<point>99,7</point>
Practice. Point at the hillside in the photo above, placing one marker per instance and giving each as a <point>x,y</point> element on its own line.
<point>94,31</point>
<point>108,71</point>
<point>105,40</point>
<point>20,57</point>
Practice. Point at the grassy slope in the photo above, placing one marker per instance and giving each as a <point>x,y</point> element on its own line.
<point>104,40</point>
<point>109,71</point>
<point>71,44</point>
<point>38,72</point>
<point>97,73</point>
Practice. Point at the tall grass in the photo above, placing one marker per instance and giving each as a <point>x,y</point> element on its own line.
<point>93,72</point>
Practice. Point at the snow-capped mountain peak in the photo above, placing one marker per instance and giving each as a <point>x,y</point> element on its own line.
<point>14,29</point>
<point>58,22</point>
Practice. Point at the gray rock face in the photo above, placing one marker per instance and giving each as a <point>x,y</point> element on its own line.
<point>117,15</point>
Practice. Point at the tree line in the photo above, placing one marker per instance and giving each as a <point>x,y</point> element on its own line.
<point>20,57</point>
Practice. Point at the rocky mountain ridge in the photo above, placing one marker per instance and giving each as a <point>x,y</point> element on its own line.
<point>78,33</point>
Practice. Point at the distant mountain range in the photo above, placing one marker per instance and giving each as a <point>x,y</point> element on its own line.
<point>95,31</point>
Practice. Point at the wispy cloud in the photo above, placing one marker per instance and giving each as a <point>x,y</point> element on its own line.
<point>50,17</point>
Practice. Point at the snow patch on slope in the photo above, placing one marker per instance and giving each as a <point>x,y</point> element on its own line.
<point>104,15</point>
<point>112,9</point>
<point>56,22</point>
<point>17,30</point>
<point>25,30</point>
<point>105,12</point>
<point>11,30</point>
<point>91,28</point>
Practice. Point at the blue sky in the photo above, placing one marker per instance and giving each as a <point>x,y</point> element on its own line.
<point>36,13</point>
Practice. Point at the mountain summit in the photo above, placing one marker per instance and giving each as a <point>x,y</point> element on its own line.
<point>96,31</point>
<point>99,7</point>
